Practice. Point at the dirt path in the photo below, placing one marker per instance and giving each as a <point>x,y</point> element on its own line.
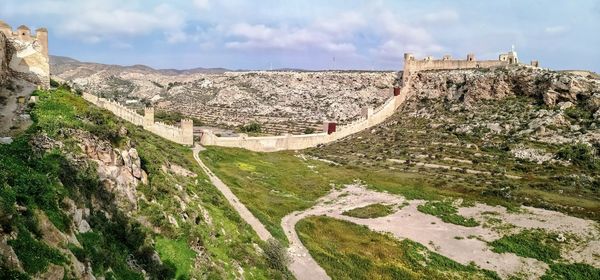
<point>302,265</point>
<point>462,244</point>
<point>258,227</point>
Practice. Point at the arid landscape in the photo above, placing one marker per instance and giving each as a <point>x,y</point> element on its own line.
<point>351,145</point>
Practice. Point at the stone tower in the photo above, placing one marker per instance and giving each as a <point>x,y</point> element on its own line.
<point>24,33</point>
<point>41,35</point>
<point>187,131</point>
<point>148,117</point>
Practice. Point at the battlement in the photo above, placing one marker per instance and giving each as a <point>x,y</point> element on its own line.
<point>411,64</point>
<point>30,60</point>
<point>23,32</point>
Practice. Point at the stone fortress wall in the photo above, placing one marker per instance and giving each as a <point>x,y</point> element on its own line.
<point>370,116</point>
<point>331,132</point>
<point>28,55</point>
<point>182,135</point>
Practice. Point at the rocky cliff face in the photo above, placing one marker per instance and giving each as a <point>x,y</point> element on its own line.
<point>3,59</point>
<point>469,86</point>
<point>119,170</point>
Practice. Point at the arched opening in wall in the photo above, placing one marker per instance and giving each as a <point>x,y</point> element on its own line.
<point>477,66</point>
<point>23,34</point>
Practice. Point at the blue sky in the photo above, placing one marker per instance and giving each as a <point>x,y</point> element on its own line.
<point>309,34</point>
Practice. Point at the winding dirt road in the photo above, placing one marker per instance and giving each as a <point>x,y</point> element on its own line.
<point>258,227</point>
<point>302,265</point>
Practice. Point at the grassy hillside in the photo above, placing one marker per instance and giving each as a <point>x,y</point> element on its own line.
<point>184,219</point>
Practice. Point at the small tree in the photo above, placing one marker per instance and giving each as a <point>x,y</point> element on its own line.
<point>309,130</point>
<point>252,127</point>
<point>276,254</point>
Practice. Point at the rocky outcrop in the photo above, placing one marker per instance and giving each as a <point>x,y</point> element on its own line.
<point>3,59</point>
<point>472,85</point>
<point>119,170</point>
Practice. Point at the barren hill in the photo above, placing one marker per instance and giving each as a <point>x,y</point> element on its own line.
<point>283,101</point>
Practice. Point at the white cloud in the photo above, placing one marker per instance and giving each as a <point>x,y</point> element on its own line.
<point>343,24</point>
<point>202,4</point>
<point>95,21</point>
<point>556,30</point>
<point>442,17</point>
<point>398,37</point>
<point>260,36</point>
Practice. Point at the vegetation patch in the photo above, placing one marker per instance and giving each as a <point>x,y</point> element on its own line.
<point>370,211</point>
<point>447,212</point>
<point>35,256</point>
<point>535,244</point>
<point>118,247</point>
<point>575,271</point>
<point>349,251</point>
<point>178,253</point>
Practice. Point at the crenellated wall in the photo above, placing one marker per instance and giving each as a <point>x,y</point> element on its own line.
<point>371,117</point>
<point>182,135</point>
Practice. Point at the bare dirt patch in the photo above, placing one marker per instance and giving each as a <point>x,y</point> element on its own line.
<point>462,244</point>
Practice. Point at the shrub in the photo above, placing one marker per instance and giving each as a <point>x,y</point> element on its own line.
<point>535,244</point>
<point>54,83</point>
<point>581,155</point>
<point>252,127</point>
<point>447,212</point>
<point>276,254</point>
<point>575,271</point>
<point>309,130</point>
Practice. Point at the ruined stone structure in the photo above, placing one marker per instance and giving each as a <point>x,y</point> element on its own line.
<point>182,135</point>
<point>26,54</point>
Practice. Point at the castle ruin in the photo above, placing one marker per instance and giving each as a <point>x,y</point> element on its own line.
<point>26,54</point>
<point>412,65</point>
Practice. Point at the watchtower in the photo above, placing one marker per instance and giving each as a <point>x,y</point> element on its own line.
<point>148,117</point>
<point>187,131</point>
<point>24,33</point>
<point>41,35</point>
<point>471,57</point>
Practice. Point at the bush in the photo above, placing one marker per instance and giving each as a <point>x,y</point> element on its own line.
<point>252,127</point>
<point>309,130</point>
<point>447,212</point>
<point>581,155</point>
<point>54,83</point>
<point>535,244</point>
<point>276,255</point>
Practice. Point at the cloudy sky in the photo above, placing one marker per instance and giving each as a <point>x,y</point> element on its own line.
<point>312,34</point>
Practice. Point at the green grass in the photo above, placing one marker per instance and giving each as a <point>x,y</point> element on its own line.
<point>177,252</point>
<point>349,251</point>
<point>370,211</point>
<point>535,244</point>
<point>447,212</point>
<point>273,185</point>
<point>40,181</point>
<point>576,271</point>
